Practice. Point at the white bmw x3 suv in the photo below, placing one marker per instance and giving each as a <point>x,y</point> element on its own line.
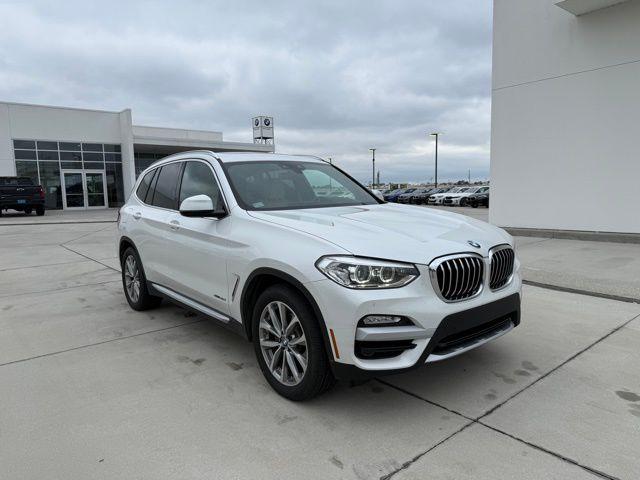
<point>325,279</point>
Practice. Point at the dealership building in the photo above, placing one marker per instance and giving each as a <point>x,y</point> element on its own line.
<point>565,103</point>
<point>91,158</point>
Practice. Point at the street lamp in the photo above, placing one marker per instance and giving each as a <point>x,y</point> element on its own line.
<point>436,134</point>
<point>373,172</point>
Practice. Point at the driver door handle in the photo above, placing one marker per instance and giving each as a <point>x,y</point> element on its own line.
<point>174,225</point>
<point>137,215</point>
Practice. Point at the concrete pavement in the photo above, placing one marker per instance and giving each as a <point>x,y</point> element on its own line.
<point>91,388</point>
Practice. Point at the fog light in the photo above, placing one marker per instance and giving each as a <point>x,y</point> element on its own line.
<point>384,321</point>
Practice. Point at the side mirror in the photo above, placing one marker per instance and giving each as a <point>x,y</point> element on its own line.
<point>200,206</point>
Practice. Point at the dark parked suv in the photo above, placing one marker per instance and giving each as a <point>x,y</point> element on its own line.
<point>21,194</point>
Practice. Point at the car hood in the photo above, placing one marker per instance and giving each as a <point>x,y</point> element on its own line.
<point>394,232</point>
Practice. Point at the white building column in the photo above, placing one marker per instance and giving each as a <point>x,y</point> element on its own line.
<point>128,164</point>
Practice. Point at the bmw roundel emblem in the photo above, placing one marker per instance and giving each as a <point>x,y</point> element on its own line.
<point>267,122</point>
<point>256,122</point>
<point>473,244</point>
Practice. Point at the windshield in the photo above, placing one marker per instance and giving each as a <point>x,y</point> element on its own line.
<point>273,185</point>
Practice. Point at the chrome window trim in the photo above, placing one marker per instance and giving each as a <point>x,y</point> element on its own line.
<point>492,252</point>
<point>433,266</point>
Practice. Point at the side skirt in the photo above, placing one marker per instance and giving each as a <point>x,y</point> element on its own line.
<point>197,307</point>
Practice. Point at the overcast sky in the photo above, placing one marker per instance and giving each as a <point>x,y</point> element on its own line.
<point>339,77</point>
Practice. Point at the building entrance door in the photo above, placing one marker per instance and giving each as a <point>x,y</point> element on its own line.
<point>84,189</point>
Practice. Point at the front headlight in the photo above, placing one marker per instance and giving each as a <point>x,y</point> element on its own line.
<point>356,272</point>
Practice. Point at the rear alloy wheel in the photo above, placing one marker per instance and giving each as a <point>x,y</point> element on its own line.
<point>289,345</point>
<point>135,284</point>
<point>463,202</point>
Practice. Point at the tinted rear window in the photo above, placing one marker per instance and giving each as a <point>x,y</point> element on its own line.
<point>164,195</point>
<point>15,181</point>
<point>143,188</point>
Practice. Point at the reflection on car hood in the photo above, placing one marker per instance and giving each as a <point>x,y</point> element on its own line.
<point>395,232</point>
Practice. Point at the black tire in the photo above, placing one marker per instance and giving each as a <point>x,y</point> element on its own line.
<point>474,205</point>
<point>318,377</point>
<point>39,211</point>
<point>463,202</point>
<point>28,210</point>
<point>144,300</point>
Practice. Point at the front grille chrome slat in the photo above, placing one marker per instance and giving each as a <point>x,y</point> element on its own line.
<point>501,264</point>
<point>457,277</point>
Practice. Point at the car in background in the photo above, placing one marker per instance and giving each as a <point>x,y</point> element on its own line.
<point>438,198</point>
<point>406,197</point>
<point>421,197</point>
<point>460,198</point>
<point>21,194</point>
<point>479,199</point>
<point>393,196</point>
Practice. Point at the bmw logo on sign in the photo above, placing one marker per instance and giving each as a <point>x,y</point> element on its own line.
<point>267,122</point>
<point>473,244</point>
<point>256,122</point>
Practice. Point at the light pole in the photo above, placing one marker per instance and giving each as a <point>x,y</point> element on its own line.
<point>436,134</point>
<point>373,171</point>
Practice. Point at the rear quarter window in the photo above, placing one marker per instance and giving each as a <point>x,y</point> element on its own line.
<point>143,188</point>
<point>166,186</point>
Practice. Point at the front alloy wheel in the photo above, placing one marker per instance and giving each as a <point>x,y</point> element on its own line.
<point>283,344</point>
<point>289,345</point>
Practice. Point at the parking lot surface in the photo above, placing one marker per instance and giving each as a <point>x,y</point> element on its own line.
<point>93,389</point>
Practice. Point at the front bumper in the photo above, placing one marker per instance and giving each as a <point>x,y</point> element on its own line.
<point>442,330</point>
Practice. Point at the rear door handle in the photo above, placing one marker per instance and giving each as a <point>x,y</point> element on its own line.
<point>137,215</point>
<point>174,225</point>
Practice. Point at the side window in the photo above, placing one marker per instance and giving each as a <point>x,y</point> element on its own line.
<point>198,179</point>
<point>143,188</point>
<point>165,191</point>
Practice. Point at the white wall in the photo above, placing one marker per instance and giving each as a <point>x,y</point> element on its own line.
<point>565,117</point>
<point>7,165</point>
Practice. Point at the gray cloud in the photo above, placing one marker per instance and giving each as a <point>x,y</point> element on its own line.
<point>339,77</point>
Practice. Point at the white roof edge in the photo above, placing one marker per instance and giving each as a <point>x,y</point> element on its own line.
<point>58,107</point>
<point>180,129</point>
<point>582,7</point>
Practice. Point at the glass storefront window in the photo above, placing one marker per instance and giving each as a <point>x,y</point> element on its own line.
<point>53,157</point>
<point>47,155</point>
<point>45,145</point>
<point>75,147</point>
<point>112,157</point>
<point>50,180</point>
<point>28,144</point>
<point>93,165</point>
<point>25,154</point>
<point>115,186</point>
<point>28,169</point>
<point>71,165</point>
<point>92,157</point>
<point>91,147</point>
<point>70,156</point>
<point>145,160</point>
